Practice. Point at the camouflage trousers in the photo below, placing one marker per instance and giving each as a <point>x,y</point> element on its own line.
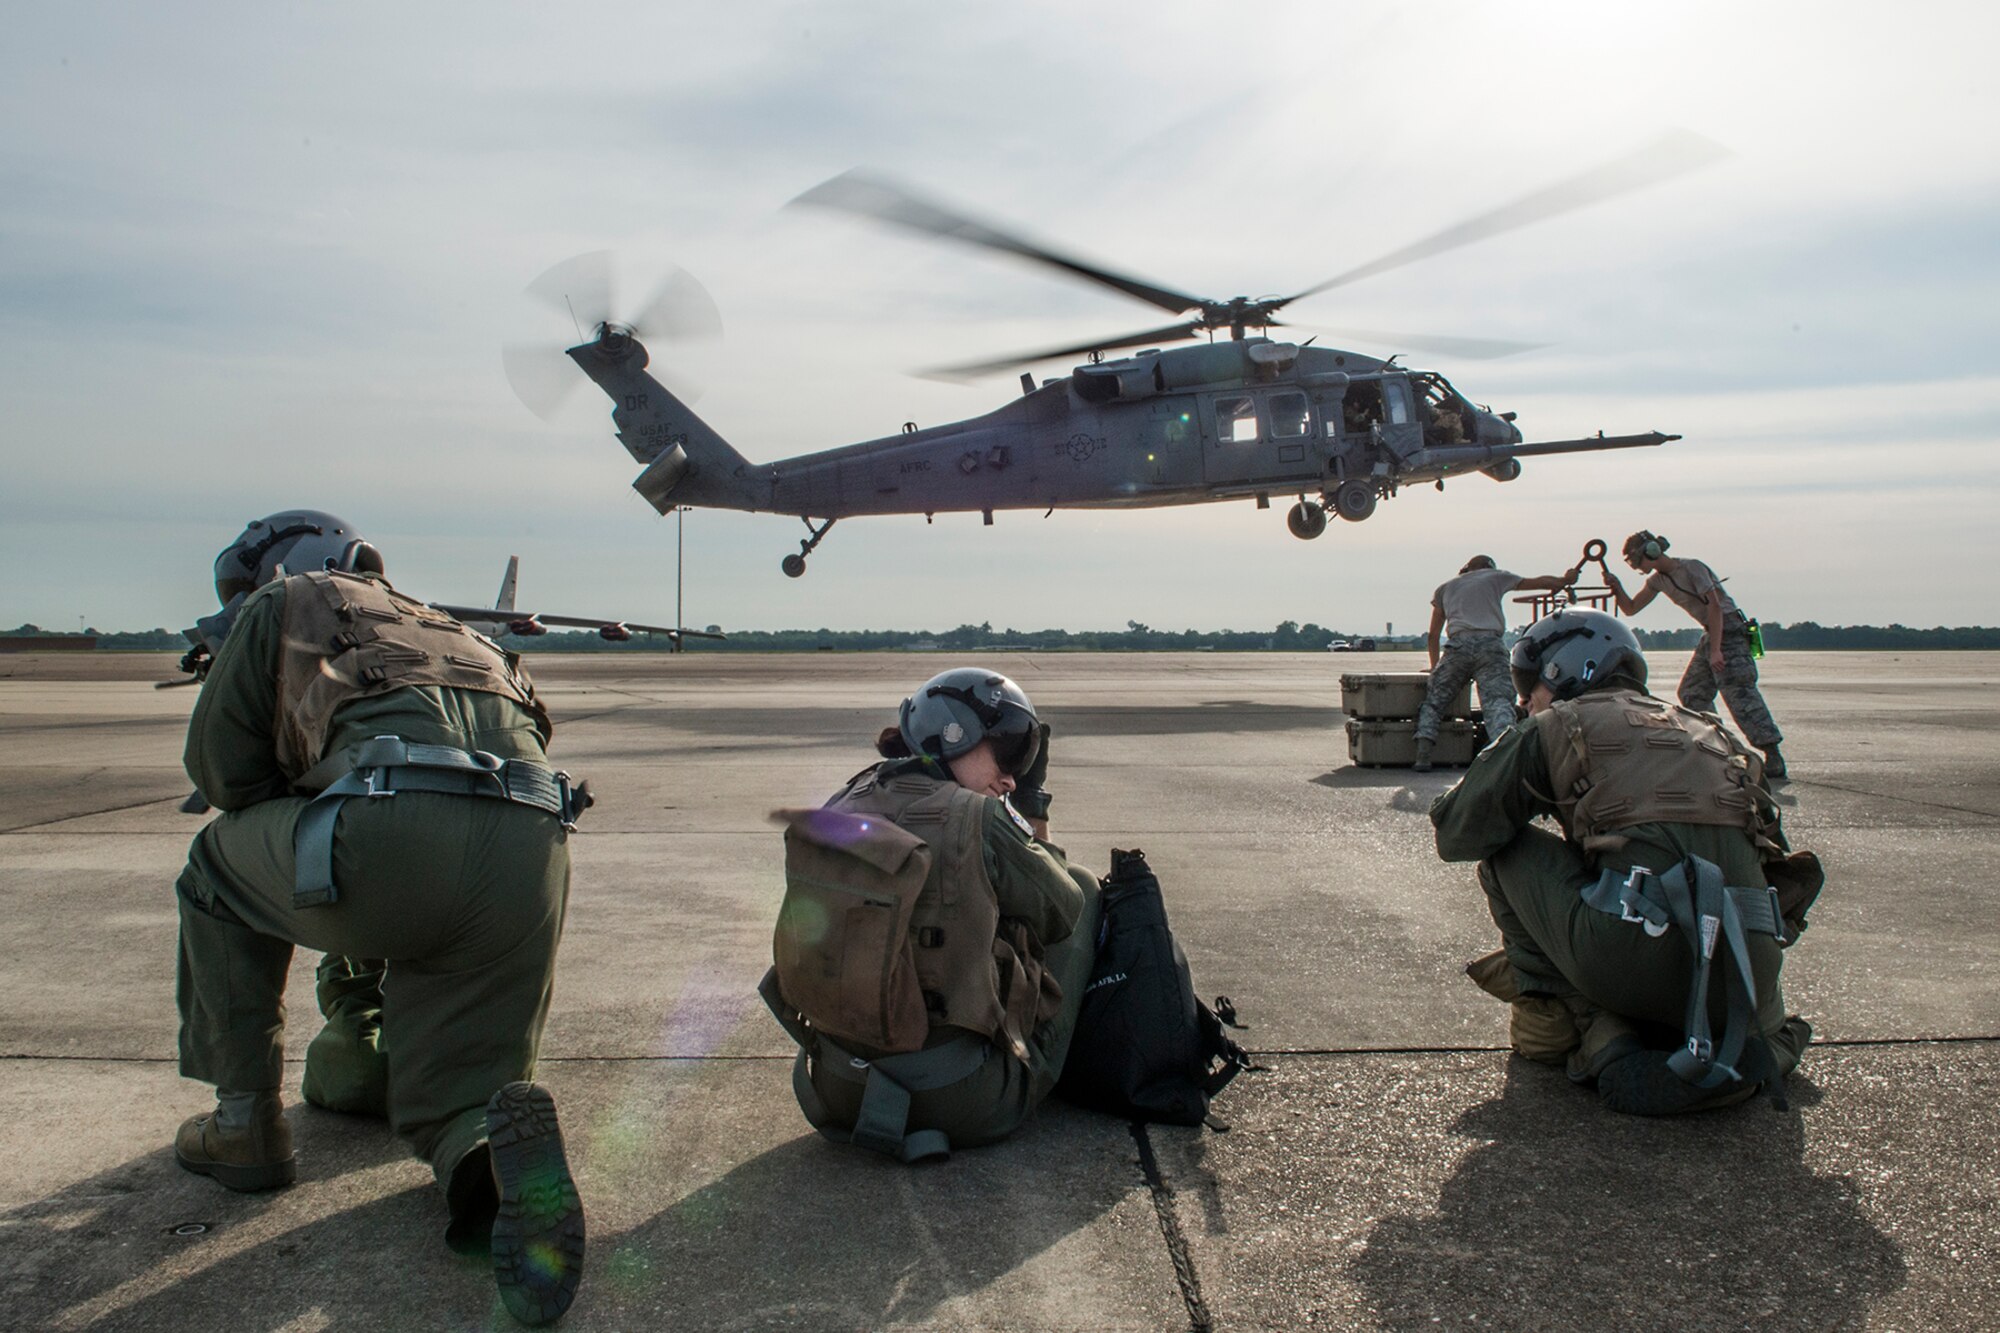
<point>1738,683</point>
<point>1482,659</point>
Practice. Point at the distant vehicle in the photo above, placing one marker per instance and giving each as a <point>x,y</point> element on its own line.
<point>503,618</point>
<point>1340,646</point>
<point>1364,645</point>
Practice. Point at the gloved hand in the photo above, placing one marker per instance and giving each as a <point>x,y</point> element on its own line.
<point>1029,797</point>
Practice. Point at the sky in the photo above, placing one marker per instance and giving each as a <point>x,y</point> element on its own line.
<point>260,256</point>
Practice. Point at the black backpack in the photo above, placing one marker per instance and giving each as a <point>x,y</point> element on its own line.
<point>1145,1047</point>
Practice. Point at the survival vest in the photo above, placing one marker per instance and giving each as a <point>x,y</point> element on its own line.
<point>891,928</point>
<point>1620,757</point>
<point>347,637</point>
<point>893,967</point>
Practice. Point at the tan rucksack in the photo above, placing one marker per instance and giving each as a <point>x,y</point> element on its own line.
<point>842,946</point>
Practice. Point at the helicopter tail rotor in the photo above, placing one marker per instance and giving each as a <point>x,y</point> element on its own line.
<point>583,291</point>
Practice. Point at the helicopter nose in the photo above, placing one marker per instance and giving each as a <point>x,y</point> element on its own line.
<point>1497,429</point>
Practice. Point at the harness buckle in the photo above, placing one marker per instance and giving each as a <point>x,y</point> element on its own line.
<point>371,781</point>
<point>1655,929</point>
<point>574,797</point>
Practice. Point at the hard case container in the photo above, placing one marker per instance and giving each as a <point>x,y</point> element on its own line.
<point>1383,694</point>
<point>1392,743</point>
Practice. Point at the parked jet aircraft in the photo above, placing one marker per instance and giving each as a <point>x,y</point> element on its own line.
<point>503,617</point>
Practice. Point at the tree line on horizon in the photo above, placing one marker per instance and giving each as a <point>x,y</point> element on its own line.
<point>1288,636</point>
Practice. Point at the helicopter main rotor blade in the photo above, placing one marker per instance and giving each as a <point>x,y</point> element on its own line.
<point>1172,333</point>
<point>1674,154</point>
<point>1472,349</point>
<point>874,197</point>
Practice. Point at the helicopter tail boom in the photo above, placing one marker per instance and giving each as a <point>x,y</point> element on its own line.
<point>687,463</point>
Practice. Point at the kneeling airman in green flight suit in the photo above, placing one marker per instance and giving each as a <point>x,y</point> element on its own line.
<point>329,690</point>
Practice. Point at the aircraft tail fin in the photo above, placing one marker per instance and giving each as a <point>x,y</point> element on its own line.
<point>686,462</point>
<point>505,601</point>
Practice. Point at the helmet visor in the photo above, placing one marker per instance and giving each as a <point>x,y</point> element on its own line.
<point>1017,740</point>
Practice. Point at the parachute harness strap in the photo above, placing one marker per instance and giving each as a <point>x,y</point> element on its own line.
<point>1692,898</point>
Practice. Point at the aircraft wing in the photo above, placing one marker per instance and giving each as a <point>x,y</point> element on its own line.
<point>486,615</point>
<point>579,622</point>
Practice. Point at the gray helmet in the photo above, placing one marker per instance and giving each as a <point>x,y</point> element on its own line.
<point>1573,652</point>
<point>957,709</point>
<point>299,540</point>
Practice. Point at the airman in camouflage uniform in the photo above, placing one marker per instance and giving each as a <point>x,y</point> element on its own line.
<point>1724,658</point>
<point>1467,611</point>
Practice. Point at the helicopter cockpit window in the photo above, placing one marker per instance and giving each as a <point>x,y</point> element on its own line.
<point>1289,418</point>
<point>1396,398</point>
<point>1235,420</point>
<point>1444,417</point>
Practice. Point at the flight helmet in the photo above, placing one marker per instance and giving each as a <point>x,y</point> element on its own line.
<point>957,709</point>
<point>1574,652</point>
<point>299,541</point>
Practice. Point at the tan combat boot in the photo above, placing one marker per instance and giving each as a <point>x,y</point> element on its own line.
<point>255,1157</point>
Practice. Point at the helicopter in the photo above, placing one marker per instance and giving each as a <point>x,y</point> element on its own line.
<point>1246,416</point>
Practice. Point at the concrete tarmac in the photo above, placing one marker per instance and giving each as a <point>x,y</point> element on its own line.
<point>1393,1167</point>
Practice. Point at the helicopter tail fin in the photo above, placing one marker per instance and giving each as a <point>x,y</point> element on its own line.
<point>686,462</point>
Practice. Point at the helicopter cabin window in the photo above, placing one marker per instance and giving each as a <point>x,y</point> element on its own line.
<point>1396,399</point>
<point>1289,418</point>
<point>1235,420</point>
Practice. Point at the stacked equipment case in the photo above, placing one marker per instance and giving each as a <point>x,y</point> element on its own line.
<point>1381,712</point>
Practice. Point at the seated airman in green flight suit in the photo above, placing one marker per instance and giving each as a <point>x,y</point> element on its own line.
<point>1003,937</point>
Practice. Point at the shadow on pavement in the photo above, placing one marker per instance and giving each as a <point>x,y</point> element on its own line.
<point>814,1236</point>
<point>146,1244</point>
<point>805,1235</point>
<point>1570,1217</point>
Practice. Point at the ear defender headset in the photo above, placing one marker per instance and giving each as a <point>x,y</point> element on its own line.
<point>1652,545</point>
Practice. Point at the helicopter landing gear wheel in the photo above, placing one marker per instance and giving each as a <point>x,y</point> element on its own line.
<point>795,565</point>
<point>1354,500</point>
<point>1306,520</point>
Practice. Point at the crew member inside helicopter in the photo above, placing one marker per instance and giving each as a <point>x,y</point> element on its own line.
<point>1361,408</point>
